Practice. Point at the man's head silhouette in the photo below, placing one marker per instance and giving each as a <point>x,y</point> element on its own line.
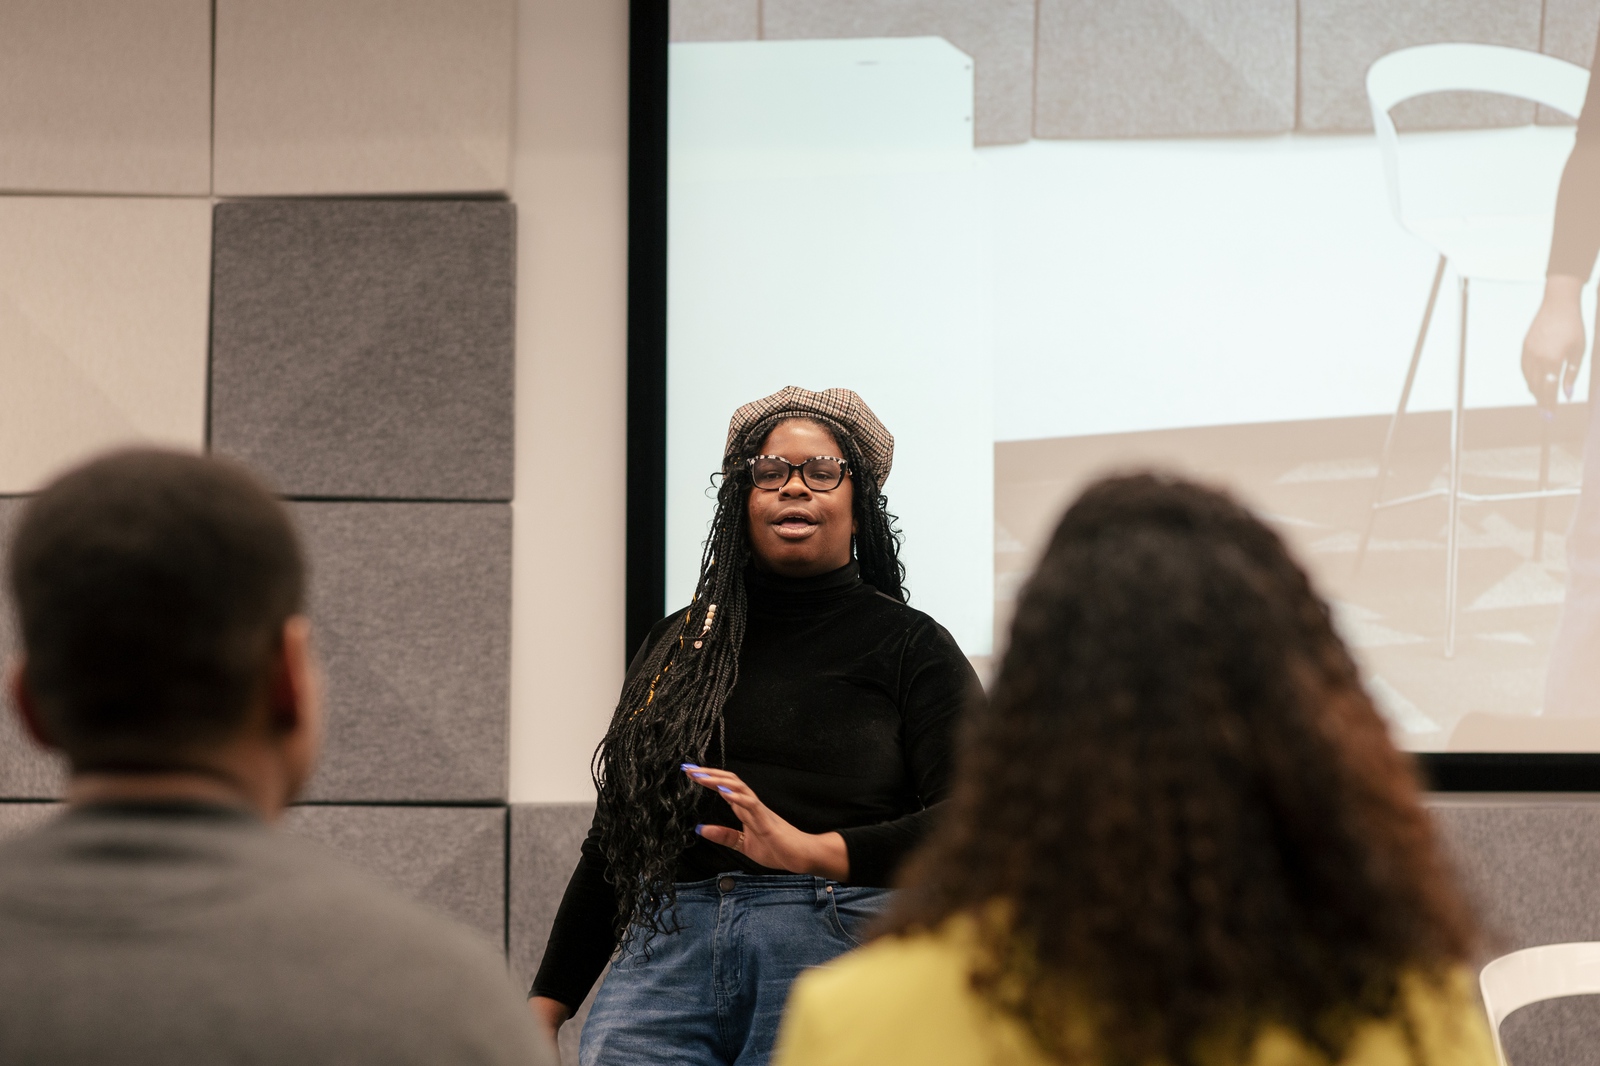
<point>165,651</point>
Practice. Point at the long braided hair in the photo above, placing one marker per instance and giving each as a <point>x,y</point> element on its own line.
<point>670,711</point>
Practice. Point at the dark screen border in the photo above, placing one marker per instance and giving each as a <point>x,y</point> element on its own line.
<point>646,553</point>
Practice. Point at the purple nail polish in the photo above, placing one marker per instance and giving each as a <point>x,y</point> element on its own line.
<point>725,788</point>
<point>687,766</point>
<point>698,830</point>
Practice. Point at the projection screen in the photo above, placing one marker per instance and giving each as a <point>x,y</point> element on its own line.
<point>1052,239</point>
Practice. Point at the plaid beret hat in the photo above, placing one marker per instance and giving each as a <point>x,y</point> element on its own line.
<point>840,406</point>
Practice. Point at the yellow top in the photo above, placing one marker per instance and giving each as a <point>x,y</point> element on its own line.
<point>906,999</point>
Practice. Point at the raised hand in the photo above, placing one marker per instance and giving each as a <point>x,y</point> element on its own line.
<point>765,837</point>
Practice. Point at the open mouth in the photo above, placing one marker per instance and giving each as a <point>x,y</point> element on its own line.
<point>794,524</point>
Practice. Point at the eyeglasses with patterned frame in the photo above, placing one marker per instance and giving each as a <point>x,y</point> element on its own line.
<point>820,473</point>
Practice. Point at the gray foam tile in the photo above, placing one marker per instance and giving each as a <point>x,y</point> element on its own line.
<point>26,770</point>
<point>545,838</point>
<point>449,858</point>
<point>365,348</point>
<point>1154,68</point>
<point>1553,1032</point>
<point>363,96</point>
<point>716,20</point>
<point>411,608</point>
<point>1570,29</point>
<point>105,97</point>
<point>997,34</point>
<point>1340,39</point>
<point>19,818</point>
<point>1533,869</point>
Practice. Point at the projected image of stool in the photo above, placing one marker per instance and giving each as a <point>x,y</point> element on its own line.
<point>1497,242</point>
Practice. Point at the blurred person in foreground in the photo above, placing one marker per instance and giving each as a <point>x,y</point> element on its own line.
<point>160,919</point>
<point>1552,354</point>
<point>1179,834</point>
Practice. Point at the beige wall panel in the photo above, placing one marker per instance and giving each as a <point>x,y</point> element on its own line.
<point>571,194</point>
<point>105,96</point>
<point>103,307</point>
<point>363,96</point>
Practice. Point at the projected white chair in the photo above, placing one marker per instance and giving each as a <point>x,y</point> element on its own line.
<point>1535,974</point>
<point>1481,246</point>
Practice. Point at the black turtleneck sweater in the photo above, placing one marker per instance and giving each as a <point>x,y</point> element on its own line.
<point>841,719</point>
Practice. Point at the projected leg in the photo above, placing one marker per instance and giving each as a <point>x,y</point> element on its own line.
<point>1452,531</point>
<point>1394,423</point>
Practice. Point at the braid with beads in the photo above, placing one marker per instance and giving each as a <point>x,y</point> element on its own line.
<point>670,711</point>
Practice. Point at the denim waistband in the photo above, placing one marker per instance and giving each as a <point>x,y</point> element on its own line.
<point>758,887</point>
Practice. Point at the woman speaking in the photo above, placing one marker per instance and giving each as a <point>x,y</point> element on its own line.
<point>778,748</point>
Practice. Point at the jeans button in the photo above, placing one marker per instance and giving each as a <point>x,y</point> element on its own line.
<point>726,884</point>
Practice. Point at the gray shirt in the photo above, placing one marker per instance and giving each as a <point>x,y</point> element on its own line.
<point>194,934</point>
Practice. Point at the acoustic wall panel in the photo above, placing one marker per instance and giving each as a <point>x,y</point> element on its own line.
<point>1159,68</point>
<point>26,770</point>
<point>545,838</point>
<point>104,97</point>
<point>1340,39</point>
<point>1533,868</point>
<point>103,306</point>
<point>365,348</point>
<point>716,20</point>
<point>449,858</point>
<point>411,610</point>
<point>19,818</point>
<point>363,96</point>
<point>997,34</point>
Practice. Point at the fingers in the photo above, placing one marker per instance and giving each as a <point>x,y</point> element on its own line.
<point>721,834</point>
<point>723,781</point>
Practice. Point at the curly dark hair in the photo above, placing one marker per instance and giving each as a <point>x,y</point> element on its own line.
<point>1181,817</point>
<point>670,711</point>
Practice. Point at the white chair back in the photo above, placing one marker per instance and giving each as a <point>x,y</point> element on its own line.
<point>1534,974</point>
<point>1486,68</point>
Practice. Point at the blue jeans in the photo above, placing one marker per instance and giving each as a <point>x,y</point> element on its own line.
<point>1572,687</point>
<point>712,993</point>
